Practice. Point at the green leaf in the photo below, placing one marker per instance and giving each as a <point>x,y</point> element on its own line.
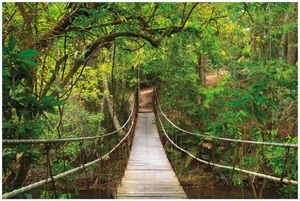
<point>236,179</point>
<point>82,58</point>
<point>65,196</point>
<point>261,99</point>
<point>4,72</point>
<point>11,42</point>
<point>196,131</point>
<point>27,62</point>
<point>28,54</point>
<point>47,99</point>
<point>22,128</point>
<point>59,89</point>
<point>57,103</point>
<point>28,195</point>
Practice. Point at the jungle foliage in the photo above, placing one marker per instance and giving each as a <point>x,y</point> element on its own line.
<point>69,69</point>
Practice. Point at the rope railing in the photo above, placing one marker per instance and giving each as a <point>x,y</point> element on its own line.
<point>63,140</point>
<point>81,167</point>
<point>235,168</point>
<point>275,144</point>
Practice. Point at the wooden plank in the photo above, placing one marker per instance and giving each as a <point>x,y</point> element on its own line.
<point>148,173</point>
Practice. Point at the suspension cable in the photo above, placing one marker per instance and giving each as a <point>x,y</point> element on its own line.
<point>63,174</point>
<point>63,140</point>
<point>224,139</point>
<point>284,180</point>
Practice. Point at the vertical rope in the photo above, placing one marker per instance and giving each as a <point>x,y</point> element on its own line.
<point>47,145</point>
<point>78,174</point>
<point>213,170</point>
<point>289,176</point>
<point>234,165</point>
<point>174,135</point>
<point>118,167</point>
<point>198,168</point>
<point>122,158</point>
<point>84,168</point>
<point>99,167</point>
<point>263,166</point>
<point>108,175</point>
<point>242,187</point>
<point>287,150</point>
<point>65,169</point>
<point>111,176</point>
<point>47,170</point>
<point>118,163</point>
<point>181,142</point>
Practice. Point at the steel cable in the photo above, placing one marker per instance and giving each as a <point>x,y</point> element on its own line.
<point>225,139</point>
<point>278,179</point>
<point>63,140</point>
<point>61,175</point>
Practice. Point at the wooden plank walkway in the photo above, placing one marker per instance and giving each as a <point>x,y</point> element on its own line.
<point>148,173</point>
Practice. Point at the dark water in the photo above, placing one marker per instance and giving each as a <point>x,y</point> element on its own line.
<point>93,194</point>
<point>79,194</point>
<point>193,192</point>
<point>227,192</point>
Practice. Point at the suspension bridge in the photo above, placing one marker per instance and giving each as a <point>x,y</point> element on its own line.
<point>141,159</point>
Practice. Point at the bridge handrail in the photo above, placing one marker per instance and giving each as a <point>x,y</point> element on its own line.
<point>63,174</point>
<point>275,144</point>
<point>63,140</point>
<point>284,180</point>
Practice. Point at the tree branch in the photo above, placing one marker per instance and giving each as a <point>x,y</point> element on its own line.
<point>189,14</point>
<point>116,22</point>
<point>54,74</point>
<point>49,37</point>
<point>92,48</point>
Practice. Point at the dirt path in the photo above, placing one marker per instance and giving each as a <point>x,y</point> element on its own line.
<point>146,100</point>
<point>145,104</point>
<point>212,78</point>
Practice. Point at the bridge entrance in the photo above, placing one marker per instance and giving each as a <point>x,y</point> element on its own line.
<point>148,173</point>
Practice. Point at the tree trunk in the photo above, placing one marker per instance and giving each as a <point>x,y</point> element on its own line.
<point>110,107</point>
<point>282,49</point>
<point>48,38</point>
<point>201,69</point>
<point>16,179</point>
<point>292,42</point>
<point>254,46</point>
<point>263,48</point>
<point>23,170</point>
<point>51,36</point>
<point>101,109</point>
<point>27,19</point>
<point>292,48</point>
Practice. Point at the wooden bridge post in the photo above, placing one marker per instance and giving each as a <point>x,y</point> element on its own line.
<point>154,100</point>
<point>136,100</point>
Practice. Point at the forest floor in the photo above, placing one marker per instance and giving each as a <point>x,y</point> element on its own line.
<point>146,99</point>
<point>145,104</point>
<point>213,77</point>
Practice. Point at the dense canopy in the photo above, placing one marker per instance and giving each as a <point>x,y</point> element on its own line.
<point>221,69</point>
